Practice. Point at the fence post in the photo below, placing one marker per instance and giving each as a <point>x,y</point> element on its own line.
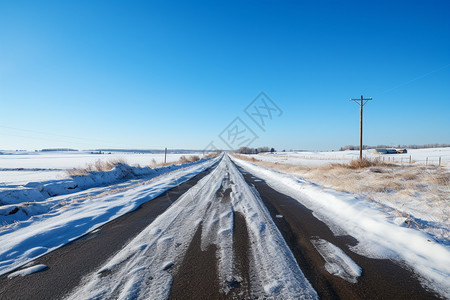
<point>410,159</point>
<point>426,162</point>
<point>439,161</point>
<point>165,155</point>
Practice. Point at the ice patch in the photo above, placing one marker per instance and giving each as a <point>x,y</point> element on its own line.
<point>27,271</point>
<point>167,265</point>
<point>337,262</point>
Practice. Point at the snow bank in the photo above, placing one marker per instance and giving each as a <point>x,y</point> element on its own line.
<point>71,216</point>
<point>21,203</point>
<point>20,168</point>
<point>378,235</point>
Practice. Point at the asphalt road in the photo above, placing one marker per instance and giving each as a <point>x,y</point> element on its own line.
<point>197,278</point>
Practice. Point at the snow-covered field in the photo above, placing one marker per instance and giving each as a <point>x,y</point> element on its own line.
<point>320,158</point>
<point>20,168</point>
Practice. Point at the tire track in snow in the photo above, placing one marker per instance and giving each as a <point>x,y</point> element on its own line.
<point>144,268</point>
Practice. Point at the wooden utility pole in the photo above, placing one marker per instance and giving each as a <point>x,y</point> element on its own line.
<point>361,102</point>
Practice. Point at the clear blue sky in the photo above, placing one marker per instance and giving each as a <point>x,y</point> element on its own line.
<point>152,74</point>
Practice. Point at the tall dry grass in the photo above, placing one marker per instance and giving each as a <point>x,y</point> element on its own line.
<point>98,165</point>
<point>188,159</point>
<point>212,154</point>
<point>182,160</point>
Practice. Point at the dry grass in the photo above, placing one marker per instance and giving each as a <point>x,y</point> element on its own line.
<point>182,160</point>
<point>77,172</point>
<point>98,165</point>
<point>212,154</point>
<point>187,159</point>
<point>275,165</point>
<point>366,163</point>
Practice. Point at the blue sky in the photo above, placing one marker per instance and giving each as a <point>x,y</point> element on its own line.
<point>152,74</point>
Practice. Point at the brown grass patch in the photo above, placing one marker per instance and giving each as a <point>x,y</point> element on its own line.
<point>182,160</point>
<point>77,172</point>
<point>212,154</point>
<point>98,165</point>
<point>365,163</point>
<point>188,159</point>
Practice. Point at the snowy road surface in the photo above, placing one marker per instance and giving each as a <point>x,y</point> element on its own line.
<point>228,234</point>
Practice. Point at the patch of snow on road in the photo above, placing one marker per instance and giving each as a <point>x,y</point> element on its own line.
<point>336,261</point>
<point>27,271</point>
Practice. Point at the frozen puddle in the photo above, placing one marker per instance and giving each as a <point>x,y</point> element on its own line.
<point>337,262</point>
<point>27,271</point>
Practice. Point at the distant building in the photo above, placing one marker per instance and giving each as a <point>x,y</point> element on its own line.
<point>390,151</point>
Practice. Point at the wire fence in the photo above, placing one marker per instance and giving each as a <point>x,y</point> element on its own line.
<point>403,159</point>
<point>411,159</point>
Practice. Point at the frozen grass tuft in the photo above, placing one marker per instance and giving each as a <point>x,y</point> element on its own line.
<point>187,159</point>
<point>98,165</point>
<point>212,154</point>
<point>365,163</point>
<point>183,159</point>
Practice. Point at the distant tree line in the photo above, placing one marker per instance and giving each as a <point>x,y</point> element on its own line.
<point>248,150</point>
<point>436,145</point>
<point>58,149</point>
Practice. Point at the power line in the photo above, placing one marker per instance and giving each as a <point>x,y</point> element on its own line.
<point>48,133</point>
<point>81,141</point>
<point>414,79</point>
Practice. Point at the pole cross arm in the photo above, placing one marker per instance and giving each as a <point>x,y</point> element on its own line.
<point>363,100</point>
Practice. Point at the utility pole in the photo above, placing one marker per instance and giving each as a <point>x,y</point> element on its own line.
<point>361,102</point>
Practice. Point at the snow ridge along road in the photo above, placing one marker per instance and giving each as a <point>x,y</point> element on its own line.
<point>147,267</point>
<point>80,213</point>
